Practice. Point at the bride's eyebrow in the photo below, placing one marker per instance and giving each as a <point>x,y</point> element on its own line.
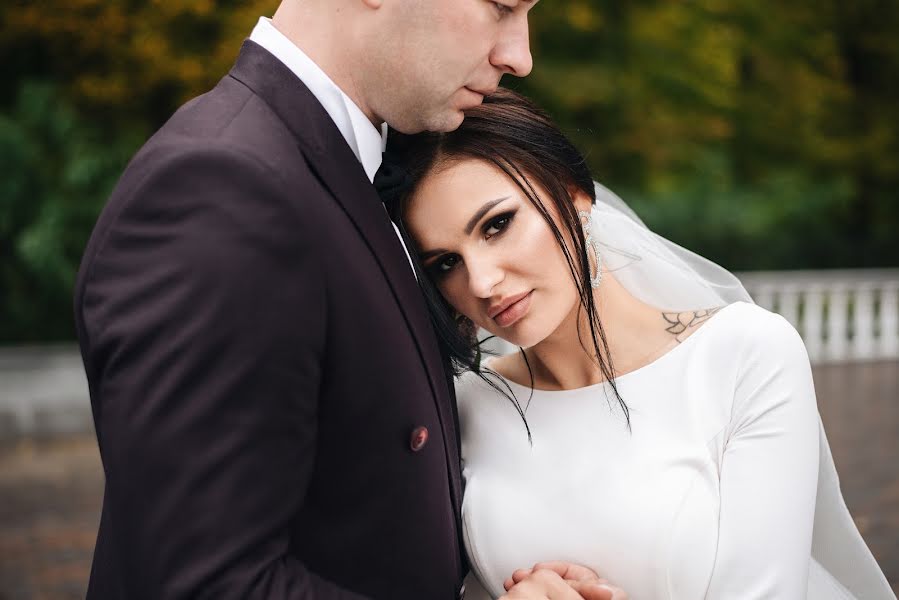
<point>478,215</point>
<point>481,212</point>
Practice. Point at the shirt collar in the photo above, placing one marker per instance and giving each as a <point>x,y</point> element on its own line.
<point>363,138</point>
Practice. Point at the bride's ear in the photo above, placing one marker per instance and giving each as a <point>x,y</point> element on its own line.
<point>580,199</point>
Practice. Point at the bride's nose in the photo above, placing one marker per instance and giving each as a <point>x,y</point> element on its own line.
<point>483,275</point>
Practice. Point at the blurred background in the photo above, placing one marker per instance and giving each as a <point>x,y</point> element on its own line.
<point>763,135</point>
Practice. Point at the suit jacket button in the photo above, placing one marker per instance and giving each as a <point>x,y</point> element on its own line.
<point>419,438</point>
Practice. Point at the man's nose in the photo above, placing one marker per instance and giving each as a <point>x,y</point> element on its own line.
<point>512,53</point>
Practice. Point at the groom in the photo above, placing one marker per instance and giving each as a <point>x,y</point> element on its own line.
<point>273,415</point>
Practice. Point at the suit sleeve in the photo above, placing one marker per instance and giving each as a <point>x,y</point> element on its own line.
<point>204,308</point>
<point>768,472</point>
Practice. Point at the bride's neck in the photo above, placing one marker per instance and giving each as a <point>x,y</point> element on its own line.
<point>634,331</point>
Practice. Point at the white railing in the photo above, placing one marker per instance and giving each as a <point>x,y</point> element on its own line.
<point>843,316</point>
<point>43,390</point>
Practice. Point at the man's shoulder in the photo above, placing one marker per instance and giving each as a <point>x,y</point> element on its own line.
<point>229,130</point>
<point>229,118</point>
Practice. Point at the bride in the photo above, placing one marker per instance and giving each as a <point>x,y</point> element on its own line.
<point>655,426</point>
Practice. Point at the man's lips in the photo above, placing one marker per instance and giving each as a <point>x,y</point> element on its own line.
<point>480,92</point>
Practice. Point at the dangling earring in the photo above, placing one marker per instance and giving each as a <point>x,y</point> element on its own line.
<point>591,243</point>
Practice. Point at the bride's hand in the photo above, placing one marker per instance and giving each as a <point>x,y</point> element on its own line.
<point>565,570</point>
<point>559,580</point>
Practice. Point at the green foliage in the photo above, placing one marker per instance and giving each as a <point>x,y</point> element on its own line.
<point>783,221</point>
<point>125,62</point>
<point>56,171</point>
<point>764,135</point>
<point>760,134</point>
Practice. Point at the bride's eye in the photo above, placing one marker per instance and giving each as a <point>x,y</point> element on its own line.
<point>443,265</point>
<point>497,224</point>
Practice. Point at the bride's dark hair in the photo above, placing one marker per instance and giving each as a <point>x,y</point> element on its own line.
<point>513,134</point>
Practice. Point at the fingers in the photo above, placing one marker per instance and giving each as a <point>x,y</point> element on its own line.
<point>546,584</point>
<point>563,569</point>
<point>567,570</point>
<point>593,590</point>
<point>543,584</point>
<point>560,580</point>
<point>519,575</point>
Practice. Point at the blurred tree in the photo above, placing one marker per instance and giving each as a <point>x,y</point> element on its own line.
<point>125,61</point>
<point>867,32</point>
<point>56,171</point>
<point>118,69</point>
<point>758,133</point>
<point>778,101</point>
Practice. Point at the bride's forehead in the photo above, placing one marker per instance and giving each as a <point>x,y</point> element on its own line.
<point>468,180</point>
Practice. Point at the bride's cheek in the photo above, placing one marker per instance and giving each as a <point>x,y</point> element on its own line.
<point>454,294</point>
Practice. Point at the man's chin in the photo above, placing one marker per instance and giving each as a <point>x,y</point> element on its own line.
<point>452,122</point>
<point>443,123</point>
<point>449,121</point>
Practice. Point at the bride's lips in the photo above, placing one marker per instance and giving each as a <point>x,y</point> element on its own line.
<point>511,309</point>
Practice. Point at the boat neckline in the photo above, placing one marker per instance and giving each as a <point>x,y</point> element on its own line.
<point>687,343</point>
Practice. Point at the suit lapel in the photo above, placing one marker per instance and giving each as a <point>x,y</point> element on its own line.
<point>329,155</point>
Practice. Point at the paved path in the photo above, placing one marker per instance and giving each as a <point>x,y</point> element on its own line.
<point>50,488</point>
<point>50,495</point>
<point>860,408</point>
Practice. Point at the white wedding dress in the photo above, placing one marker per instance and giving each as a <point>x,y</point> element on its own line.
<point>724,489</point>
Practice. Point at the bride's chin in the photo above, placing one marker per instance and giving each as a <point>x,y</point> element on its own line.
<point>523,339</point>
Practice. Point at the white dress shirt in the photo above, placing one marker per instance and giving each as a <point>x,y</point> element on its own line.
<point>363,138</point>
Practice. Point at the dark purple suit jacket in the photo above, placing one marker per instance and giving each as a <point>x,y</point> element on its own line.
<point>258,356</point>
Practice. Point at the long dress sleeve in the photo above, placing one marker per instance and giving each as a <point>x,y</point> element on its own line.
<point>768,471</point>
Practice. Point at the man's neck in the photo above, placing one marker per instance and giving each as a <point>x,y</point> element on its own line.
<point>313,31</point>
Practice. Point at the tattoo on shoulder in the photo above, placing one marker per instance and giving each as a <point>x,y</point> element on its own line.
<point>682,324</point>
